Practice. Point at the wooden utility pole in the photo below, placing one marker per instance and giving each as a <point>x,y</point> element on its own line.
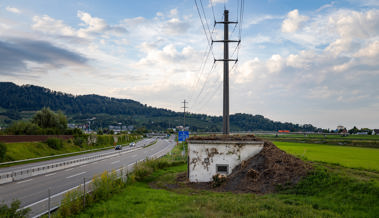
<point>225,117</point>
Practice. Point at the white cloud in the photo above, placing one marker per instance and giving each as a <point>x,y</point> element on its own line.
<point>355,24</point>
<point>49,25</point>
<point>13,10</point>
<point>293,21</point>
<point>219,1</point>
<point>260,19</point>
<point>371,50</point>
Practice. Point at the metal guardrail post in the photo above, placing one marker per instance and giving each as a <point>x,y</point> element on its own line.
<point>48,190</point>
<point>84,192</point>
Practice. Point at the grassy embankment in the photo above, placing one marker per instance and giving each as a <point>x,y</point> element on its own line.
<point>27,150</point>
<point>329,191</point>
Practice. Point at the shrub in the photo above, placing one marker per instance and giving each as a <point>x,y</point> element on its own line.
<point>23,128</point>
<point>55,143</point>
<point>3,150</point>
<point>217,180</point>
<point>105,185</point>
<point>13,210</point>
<point>72,203</point>
<point>104,140</point>
<point>78,141</point>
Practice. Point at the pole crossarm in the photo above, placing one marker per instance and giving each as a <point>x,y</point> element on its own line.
<point>238,41</point>
<point>235,60</point>
<point>226,22</point>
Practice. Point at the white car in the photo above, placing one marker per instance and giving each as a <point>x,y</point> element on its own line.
<point>132,144</point>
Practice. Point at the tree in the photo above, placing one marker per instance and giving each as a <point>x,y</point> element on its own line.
<point>46,118</point>
<point>23,128</point>
<point>354,130</point>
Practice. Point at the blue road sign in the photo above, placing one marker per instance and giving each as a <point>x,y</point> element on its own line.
<point>183,135</point>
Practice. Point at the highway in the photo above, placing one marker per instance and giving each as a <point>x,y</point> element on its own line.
<point>33,191</point>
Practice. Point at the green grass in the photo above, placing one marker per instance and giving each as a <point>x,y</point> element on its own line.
<point>370,141</point>
<point>28,150</point>
<point>323,193</point>
<point>355,157</point>
<point>362,137</point>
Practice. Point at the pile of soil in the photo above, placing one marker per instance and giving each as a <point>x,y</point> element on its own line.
<point>226,138</point>
<point>265,171</point>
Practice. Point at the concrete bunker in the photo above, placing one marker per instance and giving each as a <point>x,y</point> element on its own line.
<point>208,156</point>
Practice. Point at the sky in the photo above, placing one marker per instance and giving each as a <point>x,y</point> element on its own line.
<point>307,62</point>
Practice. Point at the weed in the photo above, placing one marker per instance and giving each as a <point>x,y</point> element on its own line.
<point>13,210</point>
<point>55,143</point>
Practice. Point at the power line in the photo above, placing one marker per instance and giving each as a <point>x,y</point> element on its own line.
<point>209,98</point>
<point>205,17</point>
<point>205,82</point>
<point>202,23</point>
<point>213,11</point>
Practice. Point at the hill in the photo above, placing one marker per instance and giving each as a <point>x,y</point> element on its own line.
<point>19,102</point>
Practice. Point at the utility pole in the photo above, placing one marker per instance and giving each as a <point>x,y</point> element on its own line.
<point>225,117</point>
<point>184,107</point>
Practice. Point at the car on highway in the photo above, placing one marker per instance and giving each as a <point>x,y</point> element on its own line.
<point>132,144</point>
<point>118,147</point>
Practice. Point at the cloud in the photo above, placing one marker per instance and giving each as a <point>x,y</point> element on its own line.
<point>218,1</point>
<point>355,24</point>
<point>13,10</point>
<point>293,21</point>
<point>19,54</point>
<point>92,26</point>
<point>260,19</point>
<point>326,6</point>
<point>49,25</point>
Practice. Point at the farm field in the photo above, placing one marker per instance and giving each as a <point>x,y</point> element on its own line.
<point>355,157</point>
<point>326,136</point>
<point>370,141</point>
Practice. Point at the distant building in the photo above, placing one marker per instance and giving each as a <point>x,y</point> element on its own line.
<point>341,129</point>
<point>376,131</point>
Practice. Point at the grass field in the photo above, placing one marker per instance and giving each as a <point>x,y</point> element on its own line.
<point>352,137</point>
<point>356,157</point>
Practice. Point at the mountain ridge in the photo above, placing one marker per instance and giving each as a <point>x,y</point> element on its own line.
<point>16,101</point>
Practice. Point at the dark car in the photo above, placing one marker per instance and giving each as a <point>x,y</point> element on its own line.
<point>118,147</point>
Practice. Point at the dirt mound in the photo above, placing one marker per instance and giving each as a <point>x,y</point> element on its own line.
<point>226,138</point>
<point>265,171</point>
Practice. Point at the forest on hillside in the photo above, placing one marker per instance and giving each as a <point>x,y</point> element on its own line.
<point>19,102</point>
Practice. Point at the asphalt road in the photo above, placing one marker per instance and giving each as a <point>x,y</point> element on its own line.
<point>33,192</point>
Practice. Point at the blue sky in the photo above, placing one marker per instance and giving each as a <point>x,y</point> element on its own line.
<point>299,61</point>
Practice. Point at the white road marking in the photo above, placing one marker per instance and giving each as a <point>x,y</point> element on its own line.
<point>75,175</point>
<point>50,174</point>
<point>83,165</point>
<point>115,162</point>
<point>53,196</point>
<point>24,181</point>
<point>69,169</point>
<point>131,164</point>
